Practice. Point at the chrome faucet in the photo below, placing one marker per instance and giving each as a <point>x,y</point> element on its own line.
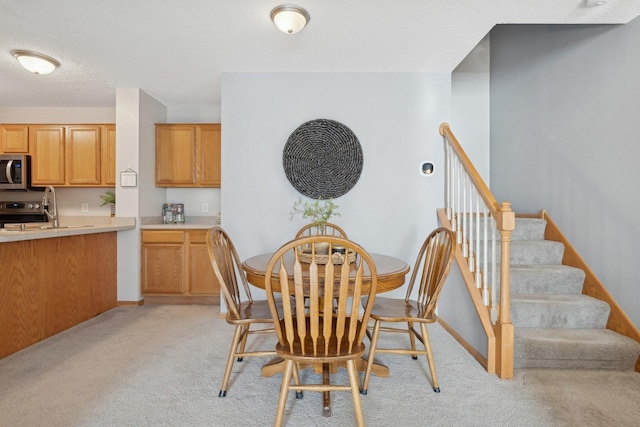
<point>53,217</point>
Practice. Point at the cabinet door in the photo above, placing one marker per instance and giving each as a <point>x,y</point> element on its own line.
<point>209,159</point>
<point>109,155</point>
<point>47,151</point>
<point>83,155</point>
<point>14,139</point>
<point>163,262</point>
<point>163,268</point>
<point>202,279</point>
<point>175,155</point>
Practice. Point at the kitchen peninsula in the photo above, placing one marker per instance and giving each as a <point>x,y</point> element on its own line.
<point>55,278</point>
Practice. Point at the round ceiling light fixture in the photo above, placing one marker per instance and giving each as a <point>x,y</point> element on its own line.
<point>35,62</point>
<point>290,19</point>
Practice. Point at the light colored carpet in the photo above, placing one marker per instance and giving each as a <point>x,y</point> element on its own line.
<point>162,366</point>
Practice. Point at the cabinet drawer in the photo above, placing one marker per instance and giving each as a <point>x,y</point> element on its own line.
<point>162,236</point>
<point>198,236</point>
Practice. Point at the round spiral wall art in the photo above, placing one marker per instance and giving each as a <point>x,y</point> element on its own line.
<point>322,159</point>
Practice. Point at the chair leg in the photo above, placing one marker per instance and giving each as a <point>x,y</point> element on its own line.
<point>284,391</point>
<point>243,343</point>
<point>432,366</point>
<point>372,353</point>
<point>353,381</point>
<point>237,333</point>
<point>296,381</point>
<point>412,338</point>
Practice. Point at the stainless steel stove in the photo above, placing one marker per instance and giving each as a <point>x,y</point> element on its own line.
<point>21,212</point>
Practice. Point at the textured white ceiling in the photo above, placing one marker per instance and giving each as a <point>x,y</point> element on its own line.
<point>176,50</point>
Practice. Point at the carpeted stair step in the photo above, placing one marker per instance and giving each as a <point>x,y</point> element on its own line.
<point>531,252</point>
<point>545,279</point>
<point>558,311</point>
<point>528,229</point>
<point>536,252</point>
<point>574,349</point>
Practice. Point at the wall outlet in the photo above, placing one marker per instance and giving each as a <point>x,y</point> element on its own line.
<point>85,207</point>
<point>205,207</point>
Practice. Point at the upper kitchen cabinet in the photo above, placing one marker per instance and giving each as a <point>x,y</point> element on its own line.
<point>109,155</point>
<point>188,155</point>
<point>14,139</point>
<point>47,155</point>
<point>72,155</point>
<point>83,155</point>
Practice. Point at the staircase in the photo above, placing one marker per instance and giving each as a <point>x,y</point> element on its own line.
<point>555,325</point>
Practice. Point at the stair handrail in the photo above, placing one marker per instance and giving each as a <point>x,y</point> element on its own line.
<point>461,177</point>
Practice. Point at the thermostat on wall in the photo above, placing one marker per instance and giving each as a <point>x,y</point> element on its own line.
<point>128,178</point>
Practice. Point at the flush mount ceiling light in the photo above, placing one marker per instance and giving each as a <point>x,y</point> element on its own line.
<point>35,62</point>
<point>290,19</point>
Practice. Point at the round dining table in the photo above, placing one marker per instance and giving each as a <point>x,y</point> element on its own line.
<point>391,274</point>
<point>390,271</point>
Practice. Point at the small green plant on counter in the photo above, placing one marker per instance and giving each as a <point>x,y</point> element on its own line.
<point>318,212</point>
<point>108,198</point>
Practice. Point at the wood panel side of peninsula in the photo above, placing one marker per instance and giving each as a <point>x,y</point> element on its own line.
<point>49,285</point>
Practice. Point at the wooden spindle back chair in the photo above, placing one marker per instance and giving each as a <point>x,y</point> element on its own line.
<point>319,333</point>
<point>312,229</point>
<point>242,310</point>
<point>432,265</point>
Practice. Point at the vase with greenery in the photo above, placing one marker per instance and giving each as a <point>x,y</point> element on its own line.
<point>318,212</point>
<point>109,198</point>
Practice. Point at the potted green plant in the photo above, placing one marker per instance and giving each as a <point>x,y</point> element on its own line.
<point>109,198</point>
<point>318,212</point>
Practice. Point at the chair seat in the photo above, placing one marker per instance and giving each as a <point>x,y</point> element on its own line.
<point>399,310</point>
<point>254,312</point>
<point>334,355</point>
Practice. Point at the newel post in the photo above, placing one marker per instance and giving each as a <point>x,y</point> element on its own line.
<point>504,327</point>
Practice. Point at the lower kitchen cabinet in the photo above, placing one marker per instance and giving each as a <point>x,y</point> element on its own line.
<point>176,268</point>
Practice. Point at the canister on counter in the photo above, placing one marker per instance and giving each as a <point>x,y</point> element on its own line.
<point>167,213</point>
<point>178,218</point>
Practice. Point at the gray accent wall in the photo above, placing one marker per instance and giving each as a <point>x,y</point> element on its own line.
<point>565,131</point>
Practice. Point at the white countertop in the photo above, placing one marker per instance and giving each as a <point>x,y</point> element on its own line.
<point>71,226</point>
<point>68,227</point>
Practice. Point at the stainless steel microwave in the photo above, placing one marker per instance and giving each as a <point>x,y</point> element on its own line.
<point>15,171</point>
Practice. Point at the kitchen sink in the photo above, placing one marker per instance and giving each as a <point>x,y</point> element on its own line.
<point>51,227</point>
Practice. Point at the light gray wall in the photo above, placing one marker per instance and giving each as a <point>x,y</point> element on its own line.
<point>564,138</point>
<point>135,144</point>
<point>470,124</point>
<point>470,106</point>
<point>395,117</point>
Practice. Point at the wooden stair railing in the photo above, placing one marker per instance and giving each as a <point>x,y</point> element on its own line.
<point>470,209</point>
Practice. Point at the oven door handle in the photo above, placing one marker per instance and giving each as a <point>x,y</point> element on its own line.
<point>9,174</point>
